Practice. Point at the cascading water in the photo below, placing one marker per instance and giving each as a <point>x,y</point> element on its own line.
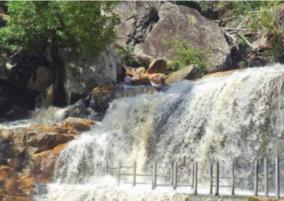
<point>39,116</point>
<point>239,116</point>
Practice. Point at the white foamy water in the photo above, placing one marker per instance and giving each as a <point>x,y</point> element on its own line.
<point>239,116</point>
<point>39,116</point>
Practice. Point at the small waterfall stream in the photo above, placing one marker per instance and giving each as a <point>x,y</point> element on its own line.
<point>239,116</point>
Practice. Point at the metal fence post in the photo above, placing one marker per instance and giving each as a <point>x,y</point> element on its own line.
<point>192,174</point>
<point>175,176</point>
<point>134,173</point>
<point>217,179</point>
<point>233,178</point>
<point>172,173</point>
<point>118,172</point>
<point>195,177</point>
<point>211,178</point>
<point>277,178</point>
<point>154,175</point>
<point>256,177</point>
<point>265,169</point>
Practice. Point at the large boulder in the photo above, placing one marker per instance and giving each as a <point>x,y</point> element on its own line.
<point>83,75</point>
<point>149,26</point>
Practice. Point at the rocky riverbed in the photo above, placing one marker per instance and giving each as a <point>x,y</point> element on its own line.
<point>28,155</point>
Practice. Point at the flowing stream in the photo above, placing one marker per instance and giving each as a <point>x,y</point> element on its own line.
<point>234,117</point>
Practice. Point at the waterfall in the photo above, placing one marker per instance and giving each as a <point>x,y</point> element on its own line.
<point>238,116</point>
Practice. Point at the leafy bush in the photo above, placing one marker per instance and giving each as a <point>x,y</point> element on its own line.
<point>185,54</point>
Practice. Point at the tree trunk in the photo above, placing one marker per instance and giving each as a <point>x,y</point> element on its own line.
<point>57,64</point>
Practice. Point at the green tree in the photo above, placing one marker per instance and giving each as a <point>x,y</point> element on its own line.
<point>81,29</point>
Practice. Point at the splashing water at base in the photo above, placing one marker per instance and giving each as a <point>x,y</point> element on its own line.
<point>239,116</point>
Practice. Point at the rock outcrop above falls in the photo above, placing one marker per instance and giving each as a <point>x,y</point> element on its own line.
<point>83,75</point>
<point>96,103</point>
<point>28,155</point>
<point>149,26</point>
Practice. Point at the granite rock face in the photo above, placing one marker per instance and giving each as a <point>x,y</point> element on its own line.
<point>149,26</point>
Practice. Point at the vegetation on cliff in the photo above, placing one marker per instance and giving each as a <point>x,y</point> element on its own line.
<point>253,28</point>
<point>185,54</point>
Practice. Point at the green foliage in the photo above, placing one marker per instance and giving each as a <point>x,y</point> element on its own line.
<point>265,20</point>
<point>84,28</point>
<point>237,8</point>
<point>262,19</point>
<point>185,54</point>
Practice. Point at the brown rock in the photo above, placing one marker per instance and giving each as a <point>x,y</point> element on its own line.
<point>143,79</point>
<point>157,66</point>
<point>7,197</point>
<point>128,71</point>
<point>44,162</point>
<point>25,183</point>
<point>157,79</point>
<point>139,72</point>
<point>10,184</point>
<point>39,141</point>
<point>78,124</point>
<point>5,172</point>
<point>134,72</point>
<point>41,137</point>
<point>102,95</point>
<point>30,155</point>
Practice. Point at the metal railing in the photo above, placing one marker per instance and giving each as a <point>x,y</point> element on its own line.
<point>215,179</point>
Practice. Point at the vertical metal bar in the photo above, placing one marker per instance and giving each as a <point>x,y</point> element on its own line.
<point>192,174</point>
<point>195,177</point>
<point>265,168</point>
<point>277,178</point>
<point>118,172</point>
<point>233,178</point>
<point>154,175</point>
<point>211,178</point>
<point>172,173</point>
<point>134,173</point>
<point>106,168</point>
<point>175,176</point>
<point>217,179</point>
<point>256,177</point>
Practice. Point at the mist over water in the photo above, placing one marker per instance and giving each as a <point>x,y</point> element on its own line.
<point>239,116</point>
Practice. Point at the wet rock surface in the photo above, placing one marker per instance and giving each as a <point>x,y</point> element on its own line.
<point>28,155</point>
<point>95,105</point>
